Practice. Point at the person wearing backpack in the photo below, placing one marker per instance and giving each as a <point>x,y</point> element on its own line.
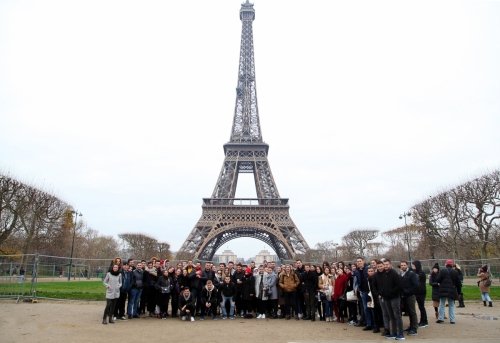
<point>484,284</point>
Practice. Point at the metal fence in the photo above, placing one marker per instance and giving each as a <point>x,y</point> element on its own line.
<point>19,274</point>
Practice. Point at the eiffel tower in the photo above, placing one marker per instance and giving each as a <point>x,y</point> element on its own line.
<point>225,217</point>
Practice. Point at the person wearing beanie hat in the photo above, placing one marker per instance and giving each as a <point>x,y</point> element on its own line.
<point>484,284</point>
<point>435,287</point>
<point>448,284</point>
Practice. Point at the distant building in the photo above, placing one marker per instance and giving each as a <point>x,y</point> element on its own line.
<point>265,255</point>
<point>225,257</point>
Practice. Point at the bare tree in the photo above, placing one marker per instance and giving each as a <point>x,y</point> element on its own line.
<point>327,251</point>
<point>12,206</point>
<point>142,246</point>
<point>359,239</point>
<point>483,208</point>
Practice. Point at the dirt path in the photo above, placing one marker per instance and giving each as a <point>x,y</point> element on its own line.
<point>81,322</point>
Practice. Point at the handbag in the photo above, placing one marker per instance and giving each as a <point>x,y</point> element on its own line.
<point>350,296</point>
<point>370,303</point>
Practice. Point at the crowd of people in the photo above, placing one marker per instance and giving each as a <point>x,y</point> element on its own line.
<point>373,295</point>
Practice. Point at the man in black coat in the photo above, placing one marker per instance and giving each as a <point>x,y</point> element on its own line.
<point>389,289</point>
<point>449,282</point>
<point>409,285</point>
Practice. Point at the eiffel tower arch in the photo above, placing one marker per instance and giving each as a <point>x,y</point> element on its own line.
<point>225,217</point>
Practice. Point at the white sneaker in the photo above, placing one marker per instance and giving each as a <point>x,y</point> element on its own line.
<point>192,319</point>
<point>263,316</point>
<point>183,318</point>
<point>259,316</point>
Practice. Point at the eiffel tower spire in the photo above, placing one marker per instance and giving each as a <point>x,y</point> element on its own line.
<point>246,125</point>
<point>224,217</point>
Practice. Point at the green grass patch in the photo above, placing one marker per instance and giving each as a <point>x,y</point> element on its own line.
<point>78,290</point>
<point>472,292</point>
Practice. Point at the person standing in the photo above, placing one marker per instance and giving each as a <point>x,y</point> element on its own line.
<point>113,282</point>
<point>124,290</point>
<point>288,282</point>
<point>409,286</point>
<point>420,294</point>
<point>261,292</point>
<point>448,283</point>
<point>484,284</point>
<point>137,282</point>
<point>435,288</point>
<point>389,288</point>
<point>459,290</point>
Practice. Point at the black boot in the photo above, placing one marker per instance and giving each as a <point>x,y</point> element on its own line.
<point>461,300</point>
<point>104,320</point>
<point>111,321</point>
<point>484,303</point>
<point>491,303</point>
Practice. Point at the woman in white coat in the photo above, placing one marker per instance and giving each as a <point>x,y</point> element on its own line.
<point>113,282</point>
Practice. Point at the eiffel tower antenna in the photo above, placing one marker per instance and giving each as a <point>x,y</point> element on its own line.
<point>225,217</point>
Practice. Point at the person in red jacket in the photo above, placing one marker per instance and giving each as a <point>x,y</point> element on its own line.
<point>338,295</point>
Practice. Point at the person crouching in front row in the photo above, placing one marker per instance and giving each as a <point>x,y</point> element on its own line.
<point>187,304</point>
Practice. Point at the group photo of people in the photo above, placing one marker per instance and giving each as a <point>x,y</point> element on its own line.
<point>374,295</point>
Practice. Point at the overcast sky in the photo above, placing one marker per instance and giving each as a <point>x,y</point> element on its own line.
<point>121,108</point>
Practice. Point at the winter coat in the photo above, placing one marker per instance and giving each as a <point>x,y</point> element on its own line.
<point>126,281</point>
<point>138,279</point>
<point>271,281</point>
<point>164,284</point>
<point>113,284</point>
<point>388,284</point>
<point>325,285</point>
<point>340,286</point>
<point>261,286</point>
<point>209,295</point>
<point>435,285</point>
<point>248,290</point>
<point>448,283</point>
<point>409,283</point>
<point>310,282</point>
<point>227,289</point>
<point>483,276</point>
<point>289,282</point>
<point>422,279</point>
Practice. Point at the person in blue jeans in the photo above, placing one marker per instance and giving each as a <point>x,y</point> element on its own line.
<point>362,277</point>
<point>449,282</point>
<point>137,282</point>
<point>227,292</point>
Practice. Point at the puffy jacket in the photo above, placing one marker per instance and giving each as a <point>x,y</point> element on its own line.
<point>448,283</point>
<point>289,282</point>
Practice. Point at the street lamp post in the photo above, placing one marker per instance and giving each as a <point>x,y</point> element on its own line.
<point>77,214</point>
<point>408,235</point>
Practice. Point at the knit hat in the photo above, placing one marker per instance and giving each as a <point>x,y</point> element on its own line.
<point>436,265</point>
<point>248,270</point>
<point>449,262</point>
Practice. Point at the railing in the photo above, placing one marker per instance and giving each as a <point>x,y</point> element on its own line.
<point>245,202</point>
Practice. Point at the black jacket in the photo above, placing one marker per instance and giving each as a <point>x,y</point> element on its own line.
<point>388,284</point>
<point>227,289</point>
<point>409,283</point>
<point>448,283</point>
<point>422,279</point>
<point>310,281</point>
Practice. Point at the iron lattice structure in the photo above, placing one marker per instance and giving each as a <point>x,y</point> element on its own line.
<point>225,217</point>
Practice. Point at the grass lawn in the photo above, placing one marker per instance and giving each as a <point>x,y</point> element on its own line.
<point>94,290</point>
